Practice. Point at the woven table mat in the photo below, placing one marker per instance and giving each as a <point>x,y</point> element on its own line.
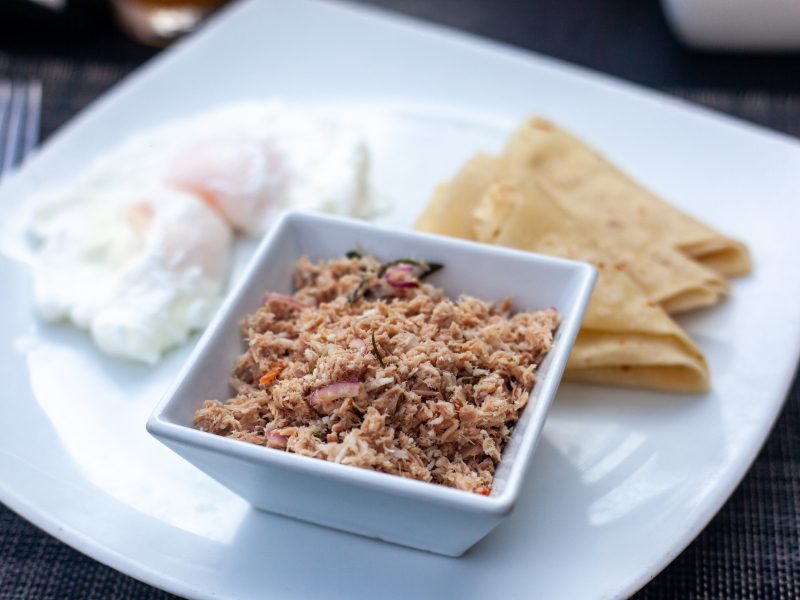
<point>750,550</point>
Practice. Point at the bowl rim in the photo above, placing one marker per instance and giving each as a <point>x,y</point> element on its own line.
<point>494,504</point>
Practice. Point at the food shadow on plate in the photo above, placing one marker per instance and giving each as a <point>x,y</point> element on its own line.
<point>341,551</point>
<point>339,554</point>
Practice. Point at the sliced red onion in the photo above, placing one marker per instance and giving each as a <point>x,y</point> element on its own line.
<point>325,399</point>
<point>359,346</point>
<point>393,276</point>
<point>276,440</point>
<point>287,300</point>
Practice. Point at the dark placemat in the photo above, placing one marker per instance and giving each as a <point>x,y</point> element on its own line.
<point>750,550</point>
<point>67,86</point>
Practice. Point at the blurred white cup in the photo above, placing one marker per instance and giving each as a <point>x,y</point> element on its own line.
<point>760,25</point>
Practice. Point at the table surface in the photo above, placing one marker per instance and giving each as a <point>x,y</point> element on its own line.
<point>752,547</point>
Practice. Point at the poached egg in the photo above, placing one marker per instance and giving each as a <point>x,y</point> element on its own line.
<point>138,270</point>
<point>136,249</point>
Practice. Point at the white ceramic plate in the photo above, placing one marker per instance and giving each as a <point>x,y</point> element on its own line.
<point>622,481</point>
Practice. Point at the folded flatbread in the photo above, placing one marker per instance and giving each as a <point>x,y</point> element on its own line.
<point>626,338</point>
<point>680,262</point>
<point>449,212</point>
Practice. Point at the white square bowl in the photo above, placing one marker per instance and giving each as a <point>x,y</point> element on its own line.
<point>412,513</point>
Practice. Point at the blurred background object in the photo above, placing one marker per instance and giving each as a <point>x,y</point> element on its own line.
<point>739,25</point>
<point>158,22</point>
<point>626,38</point>
<point>41,23</point>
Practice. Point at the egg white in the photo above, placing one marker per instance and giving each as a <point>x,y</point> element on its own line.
<point>140,280</point>
<point>136,249</point>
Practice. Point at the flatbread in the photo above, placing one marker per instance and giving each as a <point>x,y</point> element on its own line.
<point>625,339</point>
<point>449,212</point>
<point>591,187</point>
<point>634,226</point>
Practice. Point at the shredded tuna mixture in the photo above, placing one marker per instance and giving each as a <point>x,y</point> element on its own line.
<point>367,365</point>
